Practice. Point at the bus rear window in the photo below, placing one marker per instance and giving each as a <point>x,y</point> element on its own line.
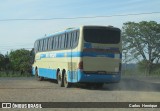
<point>102,35</point>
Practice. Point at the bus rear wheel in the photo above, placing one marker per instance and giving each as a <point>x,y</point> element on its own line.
<point>38,77</point>
<point>66,83</point>
<point>59,79</point>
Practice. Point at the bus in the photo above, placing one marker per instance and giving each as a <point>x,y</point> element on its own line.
<point>87,54</point>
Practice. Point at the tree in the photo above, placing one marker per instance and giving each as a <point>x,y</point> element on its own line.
<point>2,62</point>
<point>20,60</point>
<point>142,42</point>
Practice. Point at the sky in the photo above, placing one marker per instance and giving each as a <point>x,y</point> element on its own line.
<point>23,33</point>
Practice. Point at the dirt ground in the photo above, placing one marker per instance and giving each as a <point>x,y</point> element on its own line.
<point>130,89</point>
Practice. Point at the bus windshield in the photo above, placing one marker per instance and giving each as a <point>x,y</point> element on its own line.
<point>102,35</point>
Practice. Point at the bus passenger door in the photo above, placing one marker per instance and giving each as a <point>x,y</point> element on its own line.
<point>73,74</point>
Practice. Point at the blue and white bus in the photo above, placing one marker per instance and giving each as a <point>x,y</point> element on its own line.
<point>88,54</point>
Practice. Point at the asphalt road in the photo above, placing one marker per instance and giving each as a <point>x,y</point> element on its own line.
<point>21,89</point>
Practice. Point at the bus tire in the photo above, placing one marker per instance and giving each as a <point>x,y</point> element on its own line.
<point>39,78</point>
<point>60,79</point>
<point>66,83</point>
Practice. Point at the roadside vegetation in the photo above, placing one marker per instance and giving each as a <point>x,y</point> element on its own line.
<point>141,45</point>
<point>17,63</point>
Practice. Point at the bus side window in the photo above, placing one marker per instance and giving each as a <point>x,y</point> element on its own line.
<point>56,42</point>
<point>49,43</point>
<point>62,42</point>
<point>69,40</point>
<point>38,45</point>
<point>45,44</point>
<point>66,40</point>
<point>77,37</point>
<point>53,43</point>
<point>35,46</point>
<point>72,39</point>
<point>41,44</point>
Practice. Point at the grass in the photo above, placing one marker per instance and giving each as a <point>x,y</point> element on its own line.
<point>139,73</point>
<point>16,74</point>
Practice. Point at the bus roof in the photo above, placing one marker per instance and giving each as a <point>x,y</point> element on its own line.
<point>73,29</point>
<point>58,33</point>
